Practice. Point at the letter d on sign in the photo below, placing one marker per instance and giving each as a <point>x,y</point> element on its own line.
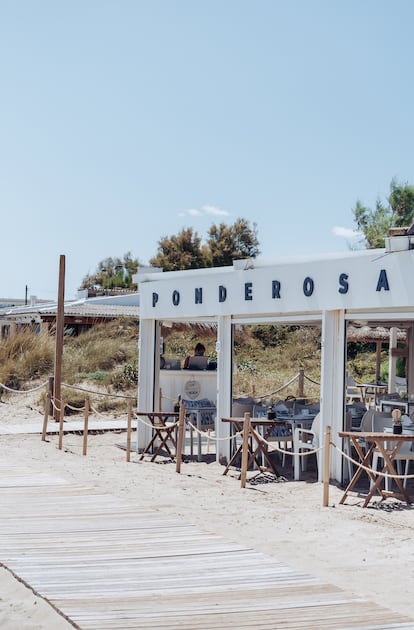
<point>222,293</point>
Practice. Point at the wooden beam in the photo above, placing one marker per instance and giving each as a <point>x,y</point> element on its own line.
<point>399,352</point>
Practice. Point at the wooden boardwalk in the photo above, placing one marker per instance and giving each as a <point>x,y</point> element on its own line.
<point>69,426</point>
<point>106,564</point>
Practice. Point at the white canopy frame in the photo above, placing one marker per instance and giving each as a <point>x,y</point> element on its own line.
<point>366,285</point>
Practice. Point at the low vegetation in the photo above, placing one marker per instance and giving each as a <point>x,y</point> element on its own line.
<point>102,359</point>
<point>105,359</point>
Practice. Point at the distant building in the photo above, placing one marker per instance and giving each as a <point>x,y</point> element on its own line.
<point>80,314</point>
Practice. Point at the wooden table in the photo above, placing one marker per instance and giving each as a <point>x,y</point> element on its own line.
<point>257,449</point>
<point>160,430</point>
<point>388,446</point>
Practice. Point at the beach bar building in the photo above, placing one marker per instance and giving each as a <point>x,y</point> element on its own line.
<point>356,288</point>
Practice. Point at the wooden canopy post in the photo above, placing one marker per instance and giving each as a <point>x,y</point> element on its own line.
<point>378,361</point>
<point>60,317</point>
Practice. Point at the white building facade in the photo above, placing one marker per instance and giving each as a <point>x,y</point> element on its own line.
<point>328,291</point>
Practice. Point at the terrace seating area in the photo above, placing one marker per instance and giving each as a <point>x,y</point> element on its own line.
<point>292,418</point>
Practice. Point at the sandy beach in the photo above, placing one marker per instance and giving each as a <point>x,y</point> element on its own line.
<point>367,551</point>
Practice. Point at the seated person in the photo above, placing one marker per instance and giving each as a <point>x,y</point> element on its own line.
<point>199,351</point>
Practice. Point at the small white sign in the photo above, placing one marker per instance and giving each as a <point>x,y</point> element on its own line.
<point>192,389</point>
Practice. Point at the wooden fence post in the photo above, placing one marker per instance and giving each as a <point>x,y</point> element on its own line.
<point>180,438</point>
<point>46,416</point>
<point>326,466</point>
<point>301,383</point>
<point>245,450</point>
<point>51,386</point>
<point>61,416</point>
<point>160,400</point>
<point>128,444</point>
<point>86,426</point>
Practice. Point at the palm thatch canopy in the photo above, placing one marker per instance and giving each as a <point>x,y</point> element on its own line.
<point>366,334</point>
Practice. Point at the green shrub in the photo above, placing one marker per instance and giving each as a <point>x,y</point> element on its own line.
<point>127,378</point>
<point>247,366</point>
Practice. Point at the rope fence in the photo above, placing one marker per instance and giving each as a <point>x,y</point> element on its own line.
<point>184,423</point>
<point>281,388</point>
<point>95,393</point>
<point>239,434</point>
<point>300,376</point>
<point>23,391</point>
<point>308,378</point>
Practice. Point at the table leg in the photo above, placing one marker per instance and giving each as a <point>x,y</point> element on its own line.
<point>388,467</point>
<point>235,454</point>
<point>261,448</point>
<point>365,460</point>
<point>164,434</point>
<point>168,435</point>
<point>233,459</point>
<point>149,446</point>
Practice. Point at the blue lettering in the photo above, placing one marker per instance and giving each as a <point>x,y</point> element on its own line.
<point>383,281</point>
<point>222,293</point>
<point>275,289</point>
<point>248,290</point>
<point>343,281</point>
<point>176,298</point>
<point>308,286</point>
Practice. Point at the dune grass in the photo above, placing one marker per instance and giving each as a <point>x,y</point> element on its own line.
<point>105,358</point>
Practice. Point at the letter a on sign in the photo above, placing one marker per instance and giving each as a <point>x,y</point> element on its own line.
<point>383,281</point>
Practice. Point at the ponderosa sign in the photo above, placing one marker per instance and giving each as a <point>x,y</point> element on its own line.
<point>275,289</point>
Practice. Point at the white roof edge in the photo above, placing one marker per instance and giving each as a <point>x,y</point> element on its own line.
<point>265,262</point>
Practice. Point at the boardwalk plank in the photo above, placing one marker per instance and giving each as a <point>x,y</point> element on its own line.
<point>107,565</point>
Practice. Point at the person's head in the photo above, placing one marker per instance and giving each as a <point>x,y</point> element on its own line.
<point>199,350</point>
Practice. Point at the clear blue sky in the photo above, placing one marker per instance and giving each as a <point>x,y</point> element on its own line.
<point>123,121</point>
